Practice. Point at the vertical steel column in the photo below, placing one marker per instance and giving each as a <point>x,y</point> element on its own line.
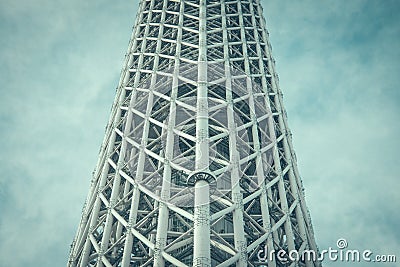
<point>129,121</point>
<point>135,195</point>
<point>96,184</point>
<point>237,197</point>
<point>96,208</point>
<point>126,259</point>
<point>201,253</point>
<point>288,150</point>
<point>163,214</point>
<point>259,158</point>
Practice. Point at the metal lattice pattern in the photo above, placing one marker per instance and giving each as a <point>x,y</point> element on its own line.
<point>197,166</point>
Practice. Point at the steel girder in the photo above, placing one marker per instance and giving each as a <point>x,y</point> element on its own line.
<point>197,165</point>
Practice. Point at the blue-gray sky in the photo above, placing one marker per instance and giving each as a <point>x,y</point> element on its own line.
<point>339,66</point>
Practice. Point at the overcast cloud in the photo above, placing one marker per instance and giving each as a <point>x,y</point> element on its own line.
<point>339,68</point>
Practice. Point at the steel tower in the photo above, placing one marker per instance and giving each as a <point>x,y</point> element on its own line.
<point>197,166</point>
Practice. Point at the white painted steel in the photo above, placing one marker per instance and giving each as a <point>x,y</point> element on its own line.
<point>197,167</point>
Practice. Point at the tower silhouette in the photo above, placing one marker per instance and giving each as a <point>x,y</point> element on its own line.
<point>197,166</point>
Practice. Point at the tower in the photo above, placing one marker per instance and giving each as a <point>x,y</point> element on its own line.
<point>197,165</point>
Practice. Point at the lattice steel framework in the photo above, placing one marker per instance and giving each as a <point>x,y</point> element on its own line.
<point>197,166</point>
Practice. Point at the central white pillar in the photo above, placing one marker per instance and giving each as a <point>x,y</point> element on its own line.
<point>202,224</point>
<point>201,177</point>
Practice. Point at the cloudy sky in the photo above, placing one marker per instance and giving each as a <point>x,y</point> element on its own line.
<point>339,66</point>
